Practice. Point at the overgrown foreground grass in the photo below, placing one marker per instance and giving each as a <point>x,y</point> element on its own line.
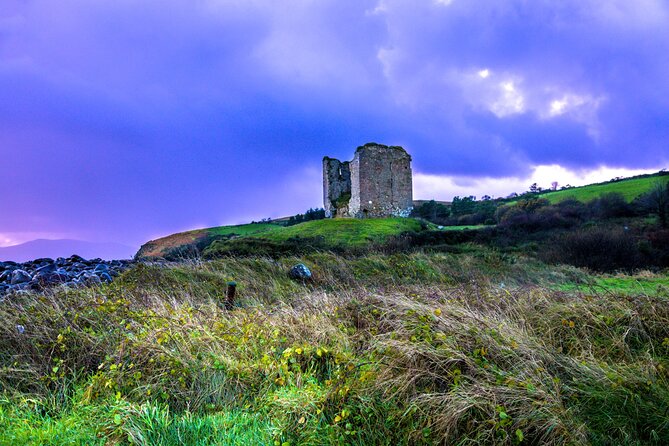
<point>390,350</point>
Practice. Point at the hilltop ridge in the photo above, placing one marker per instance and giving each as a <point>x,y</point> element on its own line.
<point>196,242</point>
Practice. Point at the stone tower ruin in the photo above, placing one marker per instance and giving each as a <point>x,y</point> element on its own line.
<point>377,183</point>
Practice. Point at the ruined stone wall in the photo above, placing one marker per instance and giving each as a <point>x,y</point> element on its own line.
<point>381,182</point>
<point>336,187</point>
<point>377,183</point>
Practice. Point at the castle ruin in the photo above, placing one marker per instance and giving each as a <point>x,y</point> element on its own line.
<point>376,183</point>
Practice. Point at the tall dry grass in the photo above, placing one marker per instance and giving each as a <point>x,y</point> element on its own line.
<point>380,350</point>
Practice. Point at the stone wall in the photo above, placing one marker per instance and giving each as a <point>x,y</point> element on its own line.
<point>336,187</point>
<point>377,183</point>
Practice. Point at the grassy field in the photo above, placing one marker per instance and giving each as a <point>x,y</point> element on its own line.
<point>321,234</point>
<point>463,227</point>
<point>629,285</point>
<point>345,232</point>
<point>242,230</point>
<point>329,234</point>
<point>160,247</point>
<point>630,189</point>
<point>405,349</point>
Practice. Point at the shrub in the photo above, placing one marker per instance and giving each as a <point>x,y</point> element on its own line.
<point>610,205</point>
<point>598,249</point>
<point>656,201</point>
<point>573,209</point>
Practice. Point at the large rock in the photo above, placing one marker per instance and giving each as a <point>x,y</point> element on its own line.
<point>101,268</point>
<point>6,276</point>
<point>300,272</point>
<point>48,268</point>
<point>20,276</point>
<point>105,276</point>
<point>89,279</point>
<point>50,277</point>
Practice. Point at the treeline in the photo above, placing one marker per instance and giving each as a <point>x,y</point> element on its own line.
<point>311,214</point>
<point>606,234</point>
<point>532,212</point>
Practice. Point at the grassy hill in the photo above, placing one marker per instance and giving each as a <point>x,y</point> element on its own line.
<point>344,232</point>
<point>630,188</point>
<point>333,234</point>
<point>199,237</point>
<point>407,334</point>
<point>340,235</point>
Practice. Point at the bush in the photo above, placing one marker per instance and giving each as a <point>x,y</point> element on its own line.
<point>658,247</point>
<point>311,214</point>
<point>598,249</point>
<point>573,209</point>
<point>431,211</point>
<point>610,205</point>
<point>656,201</point>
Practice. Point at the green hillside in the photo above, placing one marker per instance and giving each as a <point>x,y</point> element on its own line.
<point>326,234</point>
<point>341,234</point>
<point>345,232</point>
<point>199,237</point>
<point>629,188</point>
<point>330,234</point>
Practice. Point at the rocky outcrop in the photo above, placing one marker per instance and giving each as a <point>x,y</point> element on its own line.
<point>72,271</point>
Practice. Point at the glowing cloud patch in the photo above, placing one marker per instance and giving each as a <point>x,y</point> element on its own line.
<point>510,101</point>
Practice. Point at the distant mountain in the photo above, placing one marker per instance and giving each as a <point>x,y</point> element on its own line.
<point>65,248</point>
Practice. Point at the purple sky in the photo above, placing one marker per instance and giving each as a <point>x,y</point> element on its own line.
<point>124,120</point>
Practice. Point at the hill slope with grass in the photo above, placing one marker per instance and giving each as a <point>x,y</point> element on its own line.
<point>629,188</point>
<point>479,348</point>
<point>198,238</point>
<point>407,333</point>
<point>258,238</point>
<point>340,235</point>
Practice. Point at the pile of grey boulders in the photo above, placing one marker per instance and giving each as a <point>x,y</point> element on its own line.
<point>72,271</point>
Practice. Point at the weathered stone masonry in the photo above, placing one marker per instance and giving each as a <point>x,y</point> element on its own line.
<point>377,183</point>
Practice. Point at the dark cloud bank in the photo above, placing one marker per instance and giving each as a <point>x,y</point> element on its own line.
<point>121,121</point>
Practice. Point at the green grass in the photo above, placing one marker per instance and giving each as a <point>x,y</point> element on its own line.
<point>182,241</point>
<point>251,228</point>
<point>347,232</point>
<point>464,227</point>
<point>352,235</point>
<point>630,189</point>
<point>29,422</point>
<point>649,284</point>
<point>403,349</point>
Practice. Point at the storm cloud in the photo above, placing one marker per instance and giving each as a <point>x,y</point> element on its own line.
<point>125,120</point>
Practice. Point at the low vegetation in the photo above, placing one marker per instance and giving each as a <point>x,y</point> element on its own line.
<point>533,321</point>
<point>343,235</point>
<point>629,188</point>
<point>190,244</point>
<point>481,347</point>
<point>536,211</point>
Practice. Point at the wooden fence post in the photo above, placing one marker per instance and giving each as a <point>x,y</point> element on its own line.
<point>230,297</point>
